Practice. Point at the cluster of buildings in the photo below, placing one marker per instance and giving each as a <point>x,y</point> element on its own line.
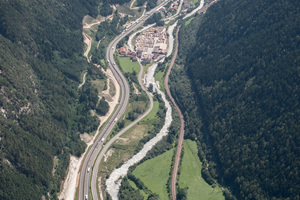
<point>152,44</point>
<point>124,53</point>
<point>187,4</point>
<point>174,6</point>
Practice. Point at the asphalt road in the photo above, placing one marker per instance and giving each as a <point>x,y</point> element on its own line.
<point>89,160</point>
<point>110,142</point>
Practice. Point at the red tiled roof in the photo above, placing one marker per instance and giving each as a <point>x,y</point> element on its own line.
<point>122,50</point>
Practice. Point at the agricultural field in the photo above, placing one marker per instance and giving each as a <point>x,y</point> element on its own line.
<point>190,176</point>
<point>154,173</point>
<point>128,66</point>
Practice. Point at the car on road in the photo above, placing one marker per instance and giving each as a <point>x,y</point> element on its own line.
<point>88,170</point>
<point>86,197</point>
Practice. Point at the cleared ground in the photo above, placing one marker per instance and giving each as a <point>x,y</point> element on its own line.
<point>190,176</point>
<point>155,173</point>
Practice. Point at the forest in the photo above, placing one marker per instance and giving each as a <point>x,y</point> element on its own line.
<point>41,110</point>
<point>237,82</point>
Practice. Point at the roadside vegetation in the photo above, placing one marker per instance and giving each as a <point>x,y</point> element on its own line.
<point>130,143</point>
<point>134,139</point>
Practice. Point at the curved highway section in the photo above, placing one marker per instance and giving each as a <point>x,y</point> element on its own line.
<point>89,160</point>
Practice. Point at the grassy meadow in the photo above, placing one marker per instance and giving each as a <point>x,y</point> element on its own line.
<point>154,173</point>
<point>190,176</point>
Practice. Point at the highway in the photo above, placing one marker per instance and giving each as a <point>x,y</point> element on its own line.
<point>110,142</point>
<point>89,160</point>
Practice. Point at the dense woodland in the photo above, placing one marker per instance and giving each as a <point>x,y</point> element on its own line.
<point>241,72</point>
<point>41,110</point>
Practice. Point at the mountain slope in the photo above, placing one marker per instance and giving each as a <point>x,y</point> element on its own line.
<point>40,66</point>
<point>244,72</point>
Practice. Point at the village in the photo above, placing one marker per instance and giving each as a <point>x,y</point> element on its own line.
<point>150,45</point>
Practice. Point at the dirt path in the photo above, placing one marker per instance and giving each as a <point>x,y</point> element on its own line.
<point>97,22</point>
<point>88,42</point>
<point>135,8</point>
<point>115,100</point>
<point>181,134</point>
<point>83,80</point>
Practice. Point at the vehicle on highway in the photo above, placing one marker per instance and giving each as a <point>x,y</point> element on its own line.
<point>116,119</point>
<point>102,140</point>
<point>86,197</point>
<point>88,170</point>
<point>108,61</point>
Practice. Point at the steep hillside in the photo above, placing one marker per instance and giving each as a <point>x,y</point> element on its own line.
<point>40,65</point>
<point>244,73</point>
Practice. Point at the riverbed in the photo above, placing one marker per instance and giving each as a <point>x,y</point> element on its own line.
<point>171,38</point>
<point>114,182</point>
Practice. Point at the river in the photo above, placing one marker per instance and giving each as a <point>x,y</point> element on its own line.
<point>114,182</point>
<point>171,38</point>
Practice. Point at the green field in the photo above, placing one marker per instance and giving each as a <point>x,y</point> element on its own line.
<point>153,112</point>
<point>188,21</point>
<point>155,173</point>
<point>190,176</point>
<point>194,1</point>
<point>128,66</point>
<point>158,76</point>
<point>133,185</point>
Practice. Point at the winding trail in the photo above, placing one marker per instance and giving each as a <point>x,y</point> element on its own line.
<point>83,80</point>
<point>181,134</point>
<point>88,42</point>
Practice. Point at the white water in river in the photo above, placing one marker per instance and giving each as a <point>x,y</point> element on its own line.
<point>114,182</point>
<point>171,38</point>
<point>195,10</point>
